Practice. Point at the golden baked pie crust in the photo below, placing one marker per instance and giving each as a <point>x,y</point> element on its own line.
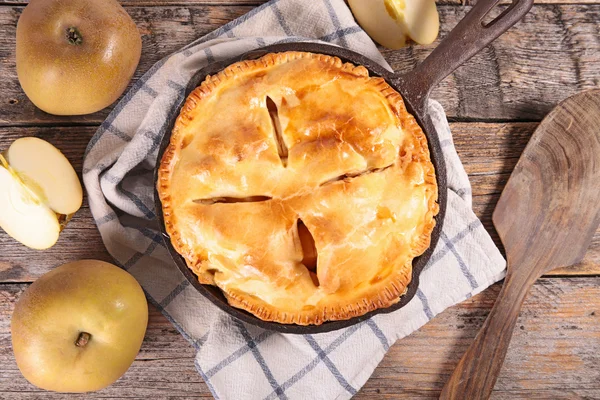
<point>225,154</point>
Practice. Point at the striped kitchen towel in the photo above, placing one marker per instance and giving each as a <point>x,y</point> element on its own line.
<point>239,361</point>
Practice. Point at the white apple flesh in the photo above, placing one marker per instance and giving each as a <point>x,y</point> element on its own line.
<point>46,171</point>
<point>392,22</point>
<point>38,189</point>
<point>23,216</point>
<point>419,17</point>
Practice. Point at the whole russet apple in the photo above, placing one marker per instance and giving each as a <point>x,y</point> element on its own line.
<point>75,56</point>
<point>79,327</point>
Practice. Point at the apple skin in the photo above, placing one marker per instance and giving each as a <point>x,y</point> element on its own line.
<point>73,79</point>
<point>84,296</point>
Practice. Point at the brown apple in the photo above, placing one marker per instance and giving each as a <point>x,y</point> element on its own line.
<point>79,327</point>
<point>75,56</point>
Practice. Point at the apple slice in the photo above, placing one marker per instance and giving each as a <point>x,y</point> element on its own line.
<point>39,191</point>
<point>23,216</point>
<point>46,171</point>
<point>419,17</point>
<point>392,22</point>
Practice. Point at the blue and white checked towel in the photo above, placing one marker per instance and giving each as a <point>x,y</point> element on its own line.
<point>236,360</point>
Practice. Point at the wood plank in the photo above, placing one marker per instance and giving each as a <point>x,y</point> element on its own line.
<point>164,30</point>
<point>561,164</point>
<point>153,3</point>
<point>545,356</point>
<point>488,151</point>
<point>235,3</point>
<point>483,206</point>
<point>221,3</point>
<point>164,367</point>
<point>554,352</point>
<point>512,79</point>
<point>471,2</point>
<point>81,239</point>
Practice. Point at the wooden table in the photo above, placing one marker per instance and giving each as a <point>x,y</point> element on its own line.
<point>494,104</point>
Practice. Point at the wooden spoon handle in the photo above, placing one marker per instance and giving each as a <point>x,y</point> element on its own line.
<point>476,373</point>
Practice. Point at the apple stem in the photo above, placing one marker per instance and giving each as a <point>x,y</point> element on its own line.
<point>74,36</point>
<point>83,339</point>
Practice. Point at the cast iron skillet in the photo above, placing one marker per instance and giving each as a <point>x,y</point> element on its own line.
<point>469,37</point>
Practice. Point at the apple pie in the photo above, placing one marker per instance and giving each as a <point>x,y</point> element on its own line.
<point>300,186</point>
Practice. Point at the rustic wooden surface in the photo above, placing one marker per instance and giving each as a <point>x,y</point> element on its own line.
<point>495,103</point>
<point>549,204</point>
<point>554,354</point>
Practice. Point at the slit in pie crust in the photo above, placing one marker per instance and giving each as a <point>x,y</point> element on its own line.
<point>300,186</point>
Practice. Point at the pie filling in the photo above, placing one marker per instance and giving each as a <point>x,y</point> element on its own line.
<point>300,186</point>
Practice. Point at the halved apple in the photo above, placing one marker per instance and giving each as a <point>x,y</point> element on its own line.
<point>392,22</point>
<point>40,191</point>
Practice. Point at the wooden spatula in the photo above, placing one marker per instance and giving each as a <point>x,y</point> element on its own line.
<point>546,217</point>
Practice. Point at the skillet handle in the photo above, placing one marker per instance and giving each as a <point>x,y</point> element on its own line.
<point>468,38</point>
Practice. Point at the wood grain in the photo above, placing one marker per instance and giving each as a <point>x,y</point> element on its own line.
<point>237,3</point>
<point>512,79</point>
<point>554,353</point>
<point>153,3</point>
<point>471,2</point>
<point>546,217</point>
<point>489,152</point>
<point>221,3</point>
<point>550,202</point>
<point>547,328</point>
<point>164,30</point>
<point>553,53</point>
